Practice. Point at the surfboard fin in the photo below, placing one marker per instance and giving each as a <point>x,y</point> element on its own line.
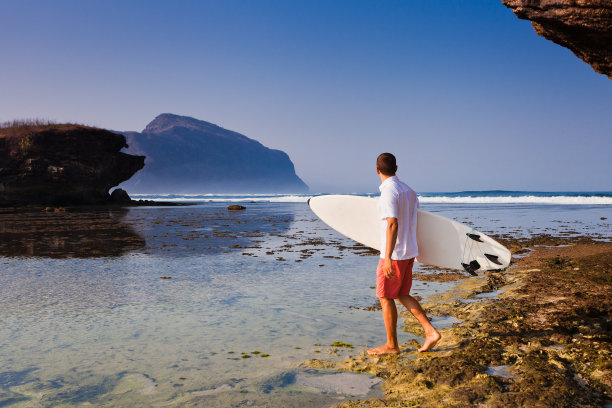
<point>493,258</point>
<point>472,267</point>
<point>475,237</point>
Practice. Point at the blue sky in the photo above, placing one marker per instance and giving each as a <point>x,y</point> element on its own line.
<point>465,94</point>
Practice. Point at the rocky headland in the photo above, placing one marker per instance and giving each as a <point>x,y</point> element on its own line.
<point>583,26</point>
<point>187,155</point>
<point>61,164</point>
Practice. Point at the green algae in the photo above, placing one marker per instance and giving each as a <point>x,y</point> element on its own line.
<point>341,344</point>
<point>550,327</point>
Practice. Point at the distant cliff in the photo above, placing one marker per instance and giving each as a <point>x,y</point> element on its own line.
<point>583,26</point>
<point>186,155</point>
<point>49,164</point>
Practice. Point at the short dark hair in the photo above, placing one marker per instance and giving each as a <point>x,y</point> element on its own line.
<point>385,163</point>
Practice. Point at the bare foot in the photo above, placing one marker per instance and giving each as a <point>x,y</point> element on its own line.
<point>430,341</point>
<point>383,350</point>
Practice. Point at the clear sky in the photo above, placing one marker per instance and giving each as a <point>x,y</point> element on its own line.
<point>465,94</point>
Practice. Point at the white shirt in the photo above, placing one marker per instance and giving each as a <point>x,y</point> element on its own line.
<point>397,200</point>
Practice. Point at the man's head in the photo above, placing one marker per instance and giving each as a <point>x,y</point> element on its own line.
<point>385,164</point>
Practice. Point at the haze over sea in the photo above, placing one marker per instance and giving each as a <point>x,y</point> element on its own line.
<point>85,316</point>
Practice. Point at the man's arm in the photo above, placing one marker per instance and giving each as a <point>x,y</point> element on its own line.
<point>391,240</point>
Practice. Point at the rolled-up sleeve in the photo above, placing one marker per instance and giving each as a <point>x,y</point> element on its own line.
<point>387,205</point>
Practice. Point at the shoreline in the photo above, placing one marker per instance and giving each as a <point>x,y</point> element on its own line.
<point>79,207</point>
<point>536,334</point>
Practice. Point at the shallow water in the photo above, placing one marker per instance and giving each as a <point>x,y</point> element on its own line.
<point>525,220</point>
<point>499,371</point>
<point>85,316</point>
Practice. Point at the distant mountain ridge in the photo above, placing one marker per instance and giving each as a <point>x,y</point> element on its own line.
<point>185,155</point>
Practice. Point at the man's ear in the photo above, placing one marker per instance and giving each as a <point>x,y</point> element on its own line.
<point>377,171</point>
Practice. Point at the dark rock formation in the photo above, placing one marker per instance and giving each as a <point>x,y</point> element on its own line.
<point>235,207</point>
<point>186,155</point>
<point>583,26</point>
<point>119,195</point>
<point>62,164</point>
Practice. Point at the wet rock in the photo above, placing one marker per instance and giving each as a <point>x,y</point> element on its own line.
<point>235,207</point>
<point>339,383</point>
<point>278,381</point>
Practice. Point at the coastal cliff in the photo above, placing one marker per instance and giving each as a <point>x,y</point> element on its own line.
<point>583,26</point>
<point>187,155</point>
<point>58,164</point>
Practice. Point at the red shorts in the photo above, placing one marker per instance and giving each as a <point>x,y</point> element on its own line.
<point>399,284</point>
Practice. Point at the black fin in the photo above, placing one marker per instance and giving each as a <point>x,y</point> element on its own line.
<point>475,237</point>
<point>493,258</point>
<point>308,202</point>
<point>472,267</point>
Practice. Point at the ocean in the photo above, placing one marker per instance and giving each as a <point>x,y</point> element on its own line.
<point>462,197</point>
<point>199,306</point>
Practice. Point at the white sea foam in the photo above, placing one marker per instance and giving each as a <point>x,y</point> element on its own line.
<point>560,200</point>
<point>223,198</point>
<point>302,198</point>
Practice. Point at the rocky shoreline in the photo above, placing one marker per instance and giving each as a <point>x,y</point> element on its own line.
<point>537,334</point>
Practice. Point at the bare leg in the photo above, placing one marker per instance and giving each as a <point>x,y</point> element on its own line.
<point>390,317</point>
<point>431,334</point>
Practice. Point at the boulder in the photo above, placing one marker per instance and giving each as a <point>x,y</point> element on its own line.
<point>119,195</point>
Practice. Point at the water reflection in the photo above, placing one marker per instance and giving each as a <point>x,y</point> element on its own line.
<point>208,229</point>
<point>67,234</point>
<point>167,232</point>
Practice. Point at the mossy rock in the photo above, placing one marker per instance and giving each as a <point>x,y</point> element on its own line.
<point>341,344</point>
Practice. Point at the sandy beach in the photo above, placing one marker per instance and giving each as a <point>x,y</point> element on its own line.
<point>537,334</point>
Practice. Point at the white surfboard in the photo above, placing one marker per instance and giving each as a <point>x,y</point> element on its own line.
<point>442,242</point>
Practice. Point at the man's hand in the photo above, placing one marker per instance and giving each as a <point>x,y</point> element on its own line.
<point>388,269</point>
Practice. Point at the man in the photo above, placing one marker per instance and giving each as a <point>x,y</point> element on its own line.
<point>398,214</point>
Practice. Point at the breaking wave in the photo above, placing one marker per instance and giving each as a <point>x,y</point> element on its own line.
<point>464,197</point>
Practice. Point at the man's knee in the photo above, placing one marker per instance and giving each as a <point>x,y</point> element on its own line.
<point>386,300</point>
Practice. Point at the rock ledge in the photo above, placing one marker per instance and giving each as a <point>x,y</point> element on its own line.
<point>62,164</point>
<point>583,26</point>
